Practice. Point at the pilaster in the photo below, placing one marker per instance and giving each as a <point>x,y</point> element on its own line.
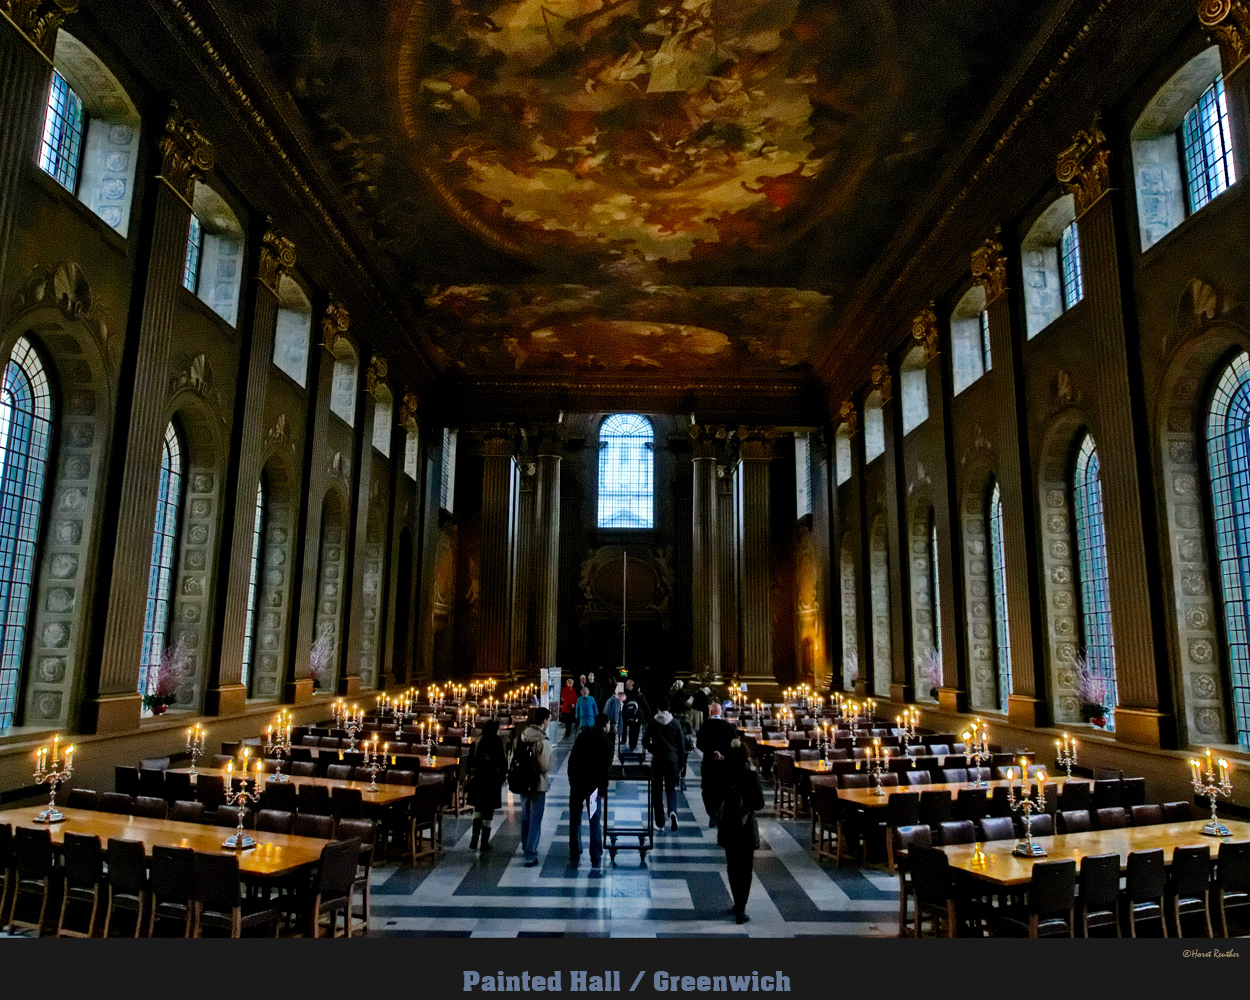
<point>705,552</point>
<point>549,445</point>
<point>902,669</point>
<point>359,674</point>
<point>499,493</point>
<point>756,446</point>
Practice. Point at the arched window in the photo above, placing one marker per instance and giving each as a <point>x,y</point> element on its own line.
<point>915,396</point>
<point>970,339</point>
<point>935,590</point>
<point>291,336</point>
<point>1091,547</point>
<point>213,269</point>
<point>842,453</point>
<point>998,567</point>
<point>626,472</point>
<point>25,436</point>
<point>874,427</point>
<point>1051,258</point>
<point>411,453</point>
<point>382,410</point>
<point>343,389</point>
<point>164,549</point>
<point>850,630</point>
<point>253,584</point>
<point>60,151</point>
<point>1228,459</point>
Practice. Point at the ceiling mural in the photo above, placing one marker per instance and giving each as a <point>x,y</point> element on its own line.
<point>633,185</point>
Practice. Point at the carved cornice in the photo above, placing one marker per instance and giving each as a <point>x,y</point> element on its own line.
<point>1229,22</point>
<point>375,376</point>
<point>849,415</point>
<point>924,331</point>
<point>39,20</point>
<point>1082,167</point>
<point>277,257</point>
<point>882,381</point>
<point>989,269</point>
<point>408,412</point>
<point>186,156</point>
<point>334,326</point>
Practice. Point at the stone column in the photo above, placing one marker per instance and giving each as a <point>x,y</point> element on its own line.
<point>358,675</point>
<point>1026,705</point>
<point>405,514</point>
<point>226,693</point>
<point>1141,665</point>
<point>139,432</point>
<point>525,560</point>
<point>727,565</point>
<point>546,550</point>
<point>27,40</point>
<point>1229,23</point>
<point>705,552</point>
<point>755,572</point>
<point>903,668</point>
<point>499,491</point>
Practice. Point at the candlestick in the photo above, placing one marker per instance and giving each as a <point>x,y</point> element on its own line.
<point>1207,782</point>
<point>195,744</point>
<point>878,761</point>
<point>374,762</point>
<point>1027,804</point>
<point>53,774</point>
<point>977,748</point>
<point>1065,754</point>
<point>281,746</point>
<point>239,798</point>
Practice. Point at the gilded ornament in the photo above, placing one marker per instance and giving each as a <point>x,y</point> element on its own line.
<point>375,375</point>
<point>1082,167</point>
<point>334,326</point>
<point>848,415</point>
<point>1229,22</point>
<point>924,330</point>
<point>277,257</point>
<point>989,269</point>
<point>882,380</point>
<point>39,20</point>
<point>408,412</point>
<point>186,156</point>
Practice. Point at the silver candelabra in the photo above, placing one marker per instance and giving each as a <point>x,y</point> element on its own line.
<point>239,798</point>
<point>878,763</point>
<point>375,762</point>
<point>351,721</point>
<point>977,749</point>
<point>1208,783</point>
<point>1065,754</point>
<point>279,744</point>
<point>1027,804</point>
<point>51,770</point>
<point>195,744</point>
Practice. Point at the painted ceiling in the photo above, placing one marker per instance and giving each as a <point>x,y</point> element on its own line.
<point>634,185</point>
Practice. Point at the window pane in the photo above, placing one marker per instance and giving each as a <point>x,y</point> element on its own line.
<point>410,456</point>
<point>626,472</point>
<point>1070,263</point>
<point>1002,630</point>
<point>290,345</point>
<point>1228,459</point>
<point>191,266</point>
<point>985,338</point>
<point>25,433</point>
<point>59,152</point>
<point>1208,147</point>
<point>382,427</point>
<point>447,474</point>
<point>934,589</point>
<point>802,474</point>
<point>1092,564</point>
<point>253,582</point>
<point>164,549</point>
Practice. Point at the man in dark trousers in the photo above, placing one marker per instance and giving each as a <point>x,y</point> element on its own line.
<point>635,711</point>
<point>714,738</point>
<point>667,745</point>
<point>589,761</point>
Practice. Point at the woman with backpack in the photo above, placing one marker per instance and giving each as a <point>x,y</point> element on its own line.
<point>488,766</point>
<point>737,829</point>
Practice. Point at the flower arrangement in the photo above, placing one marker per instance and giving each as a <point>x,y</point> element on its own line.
<point>929,671</point>
<point>1091,691</point>
<point>164,676</point>
<point>319,659</point>
<point>850,669</point>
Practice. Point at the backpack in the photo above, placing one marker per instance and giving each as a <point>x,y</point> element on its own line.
<point>523,772</point>
<point>631,711</point>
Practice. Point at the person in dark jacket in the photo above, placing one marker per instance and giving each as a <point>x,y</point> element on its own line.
<point>714,738</point>
<point>488,768</point>
<point>589,761</point>
<point>634,711</point>
<point>738,831</point>
<point>667,745</point>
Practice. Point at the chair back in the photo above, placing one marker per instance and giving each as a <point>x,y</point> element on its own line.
<point>396,776</point>
<point>347,803</point>
<point>83,798</point>
<point>825,800</point>
<point>1052,890</point>
<point>935,807</point>
<point>361,829</point>
<point>1076,821</point>
<point>304,768</point>
<point>1113,818</point>
<point>997,828</point>
<point>83,859</point>
<point>1042,825</point>
<point>930,872</point>
<point>1100,881</point>
<point>1075,795</point>
<point>954,761</point>
<point>902,809</point>
<point>314,799</point>
<point>150,807</point>
<point>999,804</point>
<point>979,774</point>
<point>1177,812</point>
<point>229,816</point>
<point>184,811</point>
<point>907,837</point>
<point>958,831</point>
<point>1191,870</point>
<point>1107,793</point>
<point>339,859</point>
<point>211,790</point>
<point>152,780</point>
<point>279,795</point>
<point>918,777</point>
<point>972,804</point>
<point>178,787</point>
<point>939,749</point>
<point>126,779</point>
<point>1132,792</point>
<point>853,780</point>
<point>275,821</point>
<point>954,775</point>
<point>1150,815</point>
<point>1233,866</point>
<point>115,802</point>
<point>128,866</point>
<point>216,882</point>
<point>339,772</point>
<point>313,825</point>
<point>1145,877</point>
<point>173,873</point>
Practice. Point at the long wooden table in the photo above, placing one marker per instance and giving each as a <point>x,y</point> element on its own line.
<point>867,798</point>
<point>441,761</point>
<point>385,795</point>
<point>993,861</point>
<point>275,854</point>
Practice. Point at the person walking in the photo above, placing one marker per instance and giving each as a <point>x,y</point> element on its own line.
<point>589,761</point>
<point>667,745</point>
<point>698,707</point>
<point>488,767</point>
<point>529,776</point>
<point>613,708</point>
<point>713,742</point>
<point>585,710</point>
<point>568,699</point>
<point>634,715</point>
<point>738,831</point>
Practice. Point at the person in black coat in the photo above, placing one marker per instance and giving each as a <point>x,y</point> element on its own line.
<point>589,761</point>
<point>488,767</point>
<point>714,738</point>
<point>738,831</point>
<point>635,712</point>
<point>667,744</point>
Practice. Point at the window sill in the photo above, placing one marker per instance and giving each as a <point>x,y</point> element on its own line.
<point>70,201</point>
<point>1218,206</point>
<point>192,301</point>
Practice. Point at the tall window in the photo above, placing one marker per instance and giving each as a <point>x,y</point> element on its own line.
<point>1209,168</point>
<point>410,454</point>
<point>915,395</point>
<point>1091,539</point>
<point>842,454</point>
<point>25,432</point>
<point>1228,458</point>
<point>60,152</point>
<point>382,426</point>
<point>802,475</point>
<point>1070,265</point>
<point>934,589</point>
<point>874,428</point>
<point>984,320</point>
<point>164,553</point>
<point>447,473</point>
<point>626,472</point>
<point>1002,630</point>
<point>253,585</point>
<point>343,388</point>
<point>191,265</point>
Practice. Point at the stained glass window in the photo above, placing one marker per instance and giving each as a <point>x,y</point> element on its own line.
<point>1228,459</point>
<point>253,582</point>
<point>985,338</point>
<point>1091,539</point>
<point>60,151</point>
<point>626,472</point>
<point>195,246</point>
<point>933,586</point>
<point>1070,264</point>
<point>1209,167</point>
<point>1002,630</point>
<point>164,554</point>
<point>25,433</point>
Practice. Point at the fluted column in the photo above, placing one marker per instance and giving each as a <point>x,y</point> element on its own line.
<point>546,564</point>
<point>499,492</point>
<point>140,423</point>
<point>726,478</point>
<point>358,675</point>
<point>1141,717</point>
<point>524,640</point>
<point>705,552</point>
<point>1228,21</point>
<point>27,40</point>
<point>902,667</point>
<point>226,691</point>
<point>755,572</point>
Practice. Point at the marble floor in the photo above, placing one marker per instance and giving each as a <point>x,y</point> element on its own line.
<point>680,892</point>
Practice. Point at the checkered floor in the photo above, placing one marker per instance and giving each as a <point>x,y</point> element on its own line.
<point>681,891</point>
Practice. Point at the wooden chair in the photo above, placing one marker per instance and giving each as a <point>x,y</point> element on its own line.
<point>1232,881</point>
<point>825,815</point>
<point>905,838</point>
<point>219,901</point>
<point>934,891</point>
<point>1100,892</point>
<point>335,880</point>
<point>1051,902</point>
<point>901,809</point>
<point>186,812</point>
<point>785,786</point>
<point>1189,885</point>
<point>1144,886</point>
<point>364,830</point>
<point>173,888</point>
<point>127,882</point>
<point>33,875</point>
<point>83,868</point>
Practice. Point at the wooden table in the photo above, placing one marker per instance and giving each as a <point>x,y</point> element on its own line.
<point>866,798</point>
<point>386,795</point>
<point>993,862</point>
<point>331,753</point>
<point>275,854</point>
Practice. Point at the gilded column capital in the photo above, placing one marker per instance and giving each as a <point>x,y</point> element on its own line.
<point>186,156</point>
<point>375,376</point>
<point>498,440</point>
<point>882,381</point>
<point>334,326</point>
<point>39,20</point>
<point>1229,22</point>
<point>407,417</point>
<point>989,269</point>
<point>756,443</point>
<point>1082,167</point>
<point>849,415</point>
<point>277,257</point>
<point>924,331</point>
<point>548,439</point>
<point>706,440</point>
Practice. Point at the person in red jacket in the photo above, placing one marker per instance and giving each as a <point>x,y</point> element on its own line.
<point>568,699</point>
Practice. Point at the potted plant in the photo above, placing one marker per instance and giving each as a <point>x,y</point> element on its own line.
<point>319,660</point>
<point>1091,691</point>
<point>929,672</point>
<point>163,678</point>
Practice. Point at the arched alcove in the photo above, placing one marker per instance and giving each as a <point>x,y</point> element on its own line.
<point>914,389</point>
<point>383,409</point>
<point>970,341</point>
<point>214,264</point>
<point>874,426</point>
<point>275,585</point>
<point>842,455</point>
<point>331,571</point>
<point>879,587</point>
<point>346,376</point>
<point>926,633</point>
<point>850,613</point>
<point>293,332</point>
<point>978,590</point>
<point>373,592</point>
